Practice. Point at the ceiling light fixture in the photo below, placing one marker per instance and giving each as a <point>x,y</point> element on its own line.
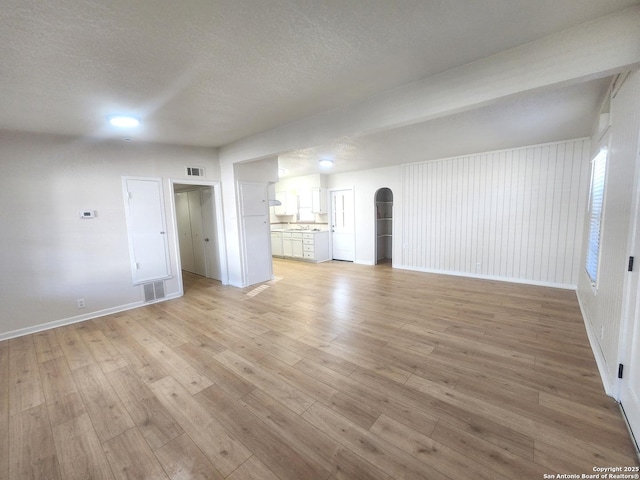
<point>124,121</point>
<point>325,163</point>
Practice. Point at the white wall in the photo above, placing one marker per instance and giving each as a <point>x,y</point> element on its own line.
<point>602,308</point>
<point>49,257</point>
<point>514,214</point>
<point>365,184</point>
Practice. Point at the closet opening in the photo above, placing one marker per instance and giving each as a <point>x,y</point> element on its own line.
<point>199,229</point>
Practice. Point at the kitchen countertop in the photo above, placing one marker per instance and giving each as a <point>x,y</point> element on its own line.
<point>298,230</point>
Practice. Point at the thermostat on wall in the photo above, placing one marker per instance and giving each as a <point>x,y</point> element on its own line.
<point>88,214</point>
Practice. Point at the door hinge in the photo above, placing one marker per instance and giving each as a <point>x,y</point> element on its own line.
<point>620,368</point>
<point>630,267</point>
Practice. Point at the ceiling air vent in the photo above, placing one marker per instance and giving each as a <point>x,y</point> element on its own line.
<point>195,171</point>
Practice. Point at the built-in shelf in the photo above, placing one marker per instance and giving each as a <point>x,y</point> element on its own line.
<point>384,224</point>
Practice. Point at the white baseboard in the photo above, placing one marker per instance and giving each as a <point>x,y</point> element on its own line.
<point>608,382</point>
<point>363,262</point>
<point>524,281</point>
<point>81,318</point>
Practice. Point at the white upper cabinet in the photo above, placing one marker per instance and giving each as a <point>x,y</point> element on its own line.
<point>288,204</point>
<point>319,200</point>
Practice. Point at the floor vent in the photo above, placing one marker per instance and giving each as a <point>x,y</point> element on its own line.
<point>153,291</point>
<point>195,171</point>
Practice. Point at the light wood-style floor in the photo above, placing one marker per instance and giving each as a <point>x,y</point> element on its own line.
<point>331,371</point>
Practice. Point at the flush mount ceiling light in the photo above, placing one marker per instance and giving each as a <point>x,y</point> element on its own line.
<point>325,163</point>
<point>124,121</point>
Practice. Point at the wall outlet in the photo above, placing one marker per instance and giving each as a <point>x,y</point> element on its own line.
<point>478,266</point>
<point>80,303</point>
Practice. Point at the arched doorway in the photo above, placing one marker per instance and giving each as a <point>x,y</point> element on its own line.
<point>384,225</point>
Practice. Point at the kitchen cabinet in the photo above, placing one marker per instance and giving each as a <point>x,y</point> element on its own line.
<point>276,244</point>
<point>292,244</point>
<point>296,245</point>
<point>288,204</point>
<point>316,246</point>
<point>319,200</point>
<point>310,246</point>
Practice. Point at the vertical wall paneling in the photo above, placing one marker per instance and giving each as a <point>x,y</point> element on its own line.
<point>602,308</point>
<point>513,214</point>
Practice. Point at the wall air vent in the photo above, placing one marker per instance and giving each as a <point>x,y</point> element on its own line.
<point>153,291</point>
<point>195,171</point>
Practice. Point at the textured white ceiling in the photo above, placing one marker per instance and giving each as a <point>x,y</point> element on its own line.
<point>204,72</point>
<point>537,118</point>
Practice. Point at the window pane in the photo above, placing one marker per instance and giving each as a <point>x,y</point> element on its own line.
<point>596,199</point>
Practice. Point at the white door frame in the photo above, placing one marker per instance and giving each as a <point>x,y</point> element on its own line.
<point>631,308</point>
<point>163,220</point>
<point>222,243</point>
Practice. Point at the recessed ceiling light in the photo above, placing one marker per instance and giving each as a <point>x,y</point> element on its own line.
<point>326,163</point>
<point>124,121</point>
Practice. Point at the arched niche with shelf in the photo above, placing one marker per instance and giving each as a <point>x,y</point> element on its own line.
<point>384,224</point>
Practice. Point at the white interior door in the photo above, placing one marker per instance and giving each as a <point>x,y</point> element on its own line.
<point>630,386</point>
<point>211,246</point>
<point>197,236</point>
<point>342,225</point>
<point>183,221</point>
<point>630,383</point>
<point>144,208</point>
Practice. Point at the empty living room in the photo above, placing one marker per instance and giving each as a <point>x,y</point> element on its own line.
<point>279,239</point>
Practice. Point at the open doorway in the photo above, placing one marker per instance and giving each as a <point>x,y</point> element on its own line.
<point>199,229</point>
<point>384,225</point>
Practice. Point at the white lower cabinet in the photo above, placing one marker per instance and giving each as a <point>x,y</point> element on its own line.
<point>296,245</point>
<point>310,246</point>
<point>276,244</point>
<point>292,244</point>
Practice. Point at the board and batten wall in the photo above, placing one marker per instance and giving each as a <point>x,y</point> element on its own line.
<point>514,215</point>
<point>603,307</point>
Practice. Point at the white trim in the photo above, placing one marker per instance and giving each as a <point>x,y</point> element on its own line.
<point>222,238</point>
<point>492,152</point>
<point>609,384</point>
<point>81,318</point>
<point>364,262</point>
<point>163,214</point>
<point>330,190</point>
<point>563,286</point>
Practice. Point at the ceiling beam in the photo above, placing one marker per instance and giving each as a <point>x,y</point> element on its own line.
<point>594,49</point>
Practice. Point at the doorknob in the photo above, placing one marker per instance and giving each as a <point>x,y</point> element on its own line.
<point>206,239</point>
